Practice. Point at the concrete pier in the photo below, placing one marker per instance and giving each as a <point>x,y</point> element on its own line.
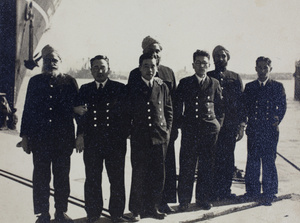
<point>16,175</point>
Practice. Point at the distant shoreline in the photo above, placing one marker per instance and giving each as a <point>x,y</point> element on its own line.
<point>123,75</point>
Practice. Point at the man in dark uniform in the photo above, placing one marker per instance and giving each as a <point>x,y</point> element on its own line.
<point>47,130</point>
<point>151,113</point>
<point>233,126</point>
<point>102,136</point>
<point>198,112</point>
<point>151,45</point>
<point>265,106</point>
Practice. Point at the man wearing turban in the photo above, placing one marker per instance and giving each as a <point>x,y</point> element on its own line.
<point>233,126</point>
<point>153,46</point>
<point>47,130</point>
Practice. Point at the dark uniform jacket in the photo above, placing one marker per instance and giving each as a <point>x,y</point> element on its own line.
<point>104,122</point>
<point>198,108</point>
<point>262,104</point>
<point>232,90</point>
<point>164,73</point>
<point>48,110</point>
<point>151,111</point>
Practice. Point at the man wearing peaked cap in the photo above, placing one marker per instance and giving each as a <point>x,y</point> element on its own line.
<point>153,46</point>
<point>47,130</point>
<point>233,126</point>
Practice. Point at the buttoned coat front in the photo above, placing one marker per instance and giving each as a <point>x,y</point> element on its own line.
<point>198,108</point>
<point>232,90</point>
<point>151,112</point>
<point>48,111</point>
<point>104,121</point>
<point>264,106</point>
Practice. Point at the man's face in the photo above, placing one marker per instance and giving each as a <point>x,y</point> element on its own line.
<point>148,68</point>
<point>263,70</point>
<point>201,65</point>
<point>155,49</point>
<point>221,59</point>
<point>100,70</point>
<point>51,62</point>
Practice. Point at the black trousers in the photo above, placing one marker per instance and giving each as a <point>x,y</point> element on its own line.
<point>224,163</point>
<point>197,150</point>
<point>43,158</point>
<point>170,186</point>
<point>148,176</point>
<point>114,158</point>
<point>262,148</point>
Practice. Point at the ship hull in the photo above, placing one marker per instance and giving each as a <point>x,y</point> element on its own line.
<point>14,39</point>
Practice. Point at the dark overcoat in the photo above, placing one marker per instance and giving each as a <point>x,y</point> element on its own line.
<point>265,107</point>
<point>48,111</point>
<point>151,112</point>
<point>104,121</point>
<point>232,90</point>
<point>198,108</point>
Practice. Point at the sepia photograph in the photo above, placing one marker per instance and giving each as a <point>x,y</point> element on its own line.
<point>150,111</point>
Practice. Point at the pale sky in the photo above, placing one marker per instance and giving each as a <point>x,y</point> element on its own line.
<point>247,28</point>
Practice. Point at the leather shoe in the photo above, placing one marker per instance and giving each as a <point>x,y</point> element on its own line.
<point>117,219</point>
<point>62,217</point>
<point>183,207</point>
<point>134,217</point>
<point>165,208</point>
<point>155,214</point>
<point>92,219</point>
<point>251,197</point>
<point>43,218</point>
<point>204,205</point>
<point>267,199</point>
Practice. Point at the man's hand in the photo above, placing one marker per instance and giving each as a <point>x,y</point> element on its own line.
<point>79,144</point>
<point>276,123</point>
<point>240,133</point>
<point>80,110</point>
<point>24,144</point>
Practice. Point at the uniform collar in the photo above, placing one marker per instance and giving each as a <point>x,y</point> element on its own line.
<point>103,83</point>
<point>200,79</point>
<point>147,82</point>
<point>263,82</point>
